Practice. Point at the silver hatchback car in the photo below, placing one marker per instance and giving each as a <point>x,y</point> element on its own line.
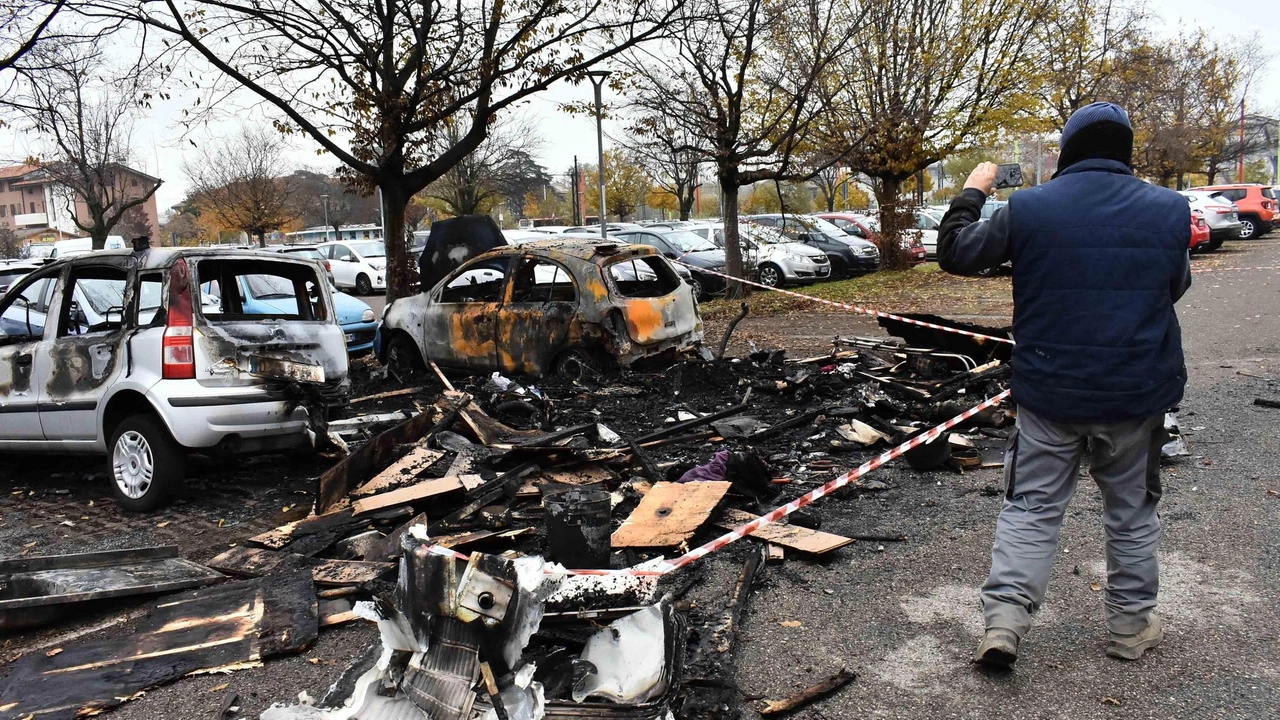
<point>130,355</point>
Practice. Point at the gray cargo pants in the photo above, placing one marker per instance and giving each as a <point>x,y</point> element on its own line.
<point>1040,467</point>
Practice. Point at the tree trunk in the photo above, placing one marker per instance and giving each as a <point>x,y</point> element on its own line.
<point>99,235</point>
<point>400,270</point>
<point>262,237</point>
<point>831,201</point>
<point>894,222</point>
<point>728,177</point>
<point>686,202</point>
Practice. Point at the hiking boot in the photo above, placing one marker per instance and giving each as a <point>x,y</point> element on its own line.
<point>998,649</point>
<point>1132,647</point>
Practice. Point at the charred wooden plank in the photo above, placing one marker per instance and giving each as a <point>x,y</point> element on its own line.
<point>229,624</point>
<point>255,562</point>
<point>670,514</point>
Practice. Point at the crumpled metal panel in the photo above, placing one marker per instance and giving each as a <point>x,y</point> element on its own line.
<point>440,681</point>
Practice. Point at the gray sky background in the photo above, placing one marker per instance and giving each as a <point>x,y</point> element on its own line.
<point>162,148</point>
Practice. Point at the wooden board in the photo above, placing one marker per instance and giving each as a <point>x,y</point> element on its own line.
<point>254,562</point>
<point>225,625</point>
<point>588,474</point>
<point>814,542</point>
<point>405,496</point>
<point>336,482</point>
<point>406,469</point>
<point>670,514</point>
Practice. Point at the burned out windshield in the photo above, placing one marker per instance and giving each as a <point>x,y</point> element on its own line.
<point>642,277</point>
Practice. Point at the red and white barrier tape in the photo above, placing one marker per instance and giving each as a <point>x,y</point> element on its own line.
<point>778,513</point>
<point>853,308</point>
<point>866,467</point>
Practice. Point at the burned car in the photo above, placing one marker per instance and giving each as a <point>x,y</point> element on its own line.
<point>568,306</point>
<point>127,354</point>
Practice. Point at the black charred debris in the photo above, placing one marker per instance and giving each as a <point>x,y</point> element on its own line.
<point>487,623</point>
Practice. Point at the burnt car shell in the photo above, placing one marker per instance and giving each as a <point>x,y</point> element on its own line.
<point>617,303</point>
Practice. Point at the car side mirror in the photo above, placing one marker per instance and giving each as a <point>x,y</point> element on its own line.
<point>670,254</point>
<point>804,237</point>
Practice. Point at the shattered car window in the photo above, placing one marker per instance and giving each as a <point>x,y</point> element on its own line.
<point>476,284</point>
<point>96,303</point>
<point>21,321</point>
<point>542,281</point>
<point>259,289</point>
<point>643,277</point>
<point>150,297</point>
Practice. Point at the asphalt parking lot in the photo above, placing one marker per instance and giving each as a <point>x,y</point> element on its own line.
<point>903,615</point>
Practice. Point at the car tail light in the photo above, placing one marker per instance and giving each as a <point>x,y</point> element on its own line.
<point>178,353</point>
<point>1199,222</point>
<point>328,266</point>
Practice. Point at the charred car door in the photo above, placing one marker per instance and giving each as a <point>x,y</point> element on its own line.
<point>82,353</point>
<point>539,319</point>
<point>22,328</point>
<point>459,325</point>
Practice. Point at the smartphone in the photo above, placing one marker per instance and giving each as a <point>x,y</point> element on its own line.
<point>1008,175</point>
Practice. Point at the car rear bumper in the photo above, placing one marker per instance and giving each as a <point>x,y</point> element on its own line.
<point>237,418</point>
<point>359,337</point>
<point>1227,232</point>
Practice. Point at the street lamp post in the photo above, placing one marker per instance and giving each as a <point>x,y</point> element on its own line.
<point>597,81</point>
<point>325,199</point>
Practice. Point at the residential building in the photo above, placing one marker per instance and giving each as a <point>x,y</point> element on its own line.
<point>35,205</point>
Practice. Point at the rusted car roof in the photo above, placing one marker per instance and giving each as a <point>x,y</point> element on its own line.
<point>576,247</point>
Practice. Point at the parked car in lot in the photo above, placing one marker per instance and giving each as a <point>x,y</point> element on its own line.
<point>274,295</point>
<point>1220,215</point>
<point>357,264</point>
<point>777,260</point>
<point>699,254</point>
<point>848,255</point>
<point>121,354</point>
<point>1256,205</point>
<point>544,306</point>
<point>307,251</point>
<point>10,272</point>
<point>1199,232</point>
<point>868,228</point>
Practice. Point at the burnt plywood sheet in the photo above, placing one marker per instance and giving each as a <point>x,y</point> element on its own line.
<point>405,469</point>
<point>670,514</point>
<point>404,496</point>
<point>36,590</point>
<point>814,542</point>
<point>255,562</point>
<point>228,624</point>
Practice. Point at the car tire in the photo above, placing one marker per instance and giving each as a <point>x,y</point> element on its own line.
<point>404,360</point>
<point>1211,246</point>
<point>839,271</point>
<point>363,285</point>
<point>770,275</point>
<point>696,284</point>
<point>1248,228</point>
<point>577,365</point>
<point>145,464</point>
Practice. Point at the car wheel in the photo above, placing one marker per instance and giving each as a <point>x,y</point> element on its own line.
<point>839,271</point>
<point>363,285</point>
<point>403,359</point>
<point>770,276</point>
<point>147,465</point>
<point>1211,246</point>
<point>577,365</point>
<point>696,284</point>
<point>1248,229</point>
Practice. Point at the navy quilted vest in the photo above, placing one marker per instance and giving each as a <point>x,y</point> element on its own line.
<point>1097,255</point>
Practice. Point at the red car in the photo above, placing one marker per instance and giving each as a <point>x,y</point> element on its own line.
<point>863,227</point>
<point>1199,230</point>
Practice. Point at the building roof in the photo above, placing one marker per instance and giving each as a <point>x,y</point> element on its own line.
<point>14,171</point>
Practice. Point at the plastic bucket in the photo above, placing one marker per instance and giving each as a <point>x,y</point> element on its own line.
<point>577,524</point>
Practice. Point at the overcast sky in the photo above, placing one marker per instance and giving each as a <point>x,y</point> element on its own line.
<point>162,148</point>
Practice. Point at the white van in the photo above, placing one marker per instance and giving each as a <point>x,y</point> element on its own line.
<point>80,246</point>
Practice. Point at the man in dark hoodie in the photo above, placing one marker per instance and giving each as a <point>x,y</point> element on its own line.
<point>1099,259</point>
